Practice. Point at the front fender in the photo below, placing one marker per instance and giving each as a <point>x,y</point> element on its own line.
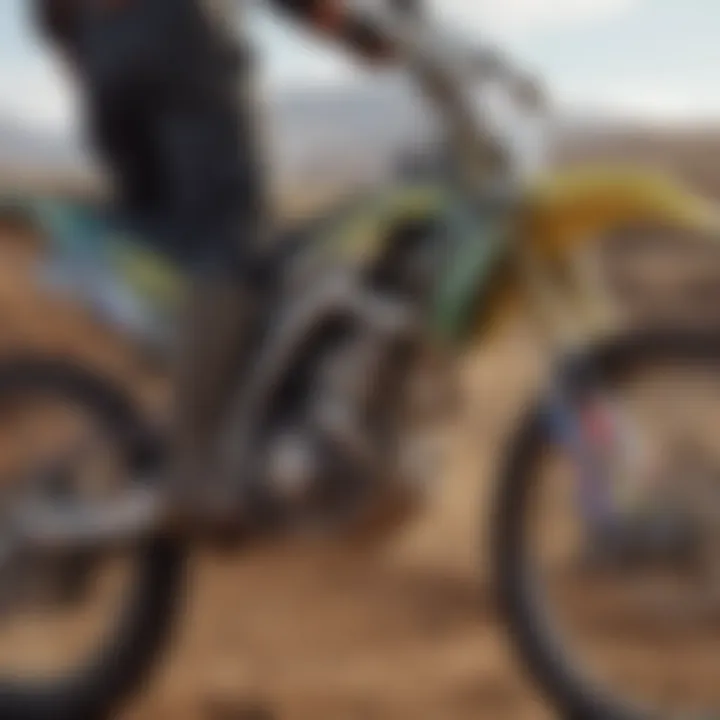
<point>567,209</point>
<point>573,207</point>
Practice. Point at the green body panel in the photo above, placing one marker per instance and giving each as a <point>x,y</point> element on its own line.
<point>479,254</point>
<point>475,249</point>
<point>359,233</point>
<point>472,249</point>
<point>79,232</point>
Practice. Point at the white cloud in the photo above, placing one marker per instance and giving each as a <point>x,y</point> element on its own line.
<point>291,61</point>
<point>35,91</point>
<point>645,99</point>
<point>37,95</point>
<point>512,17</point>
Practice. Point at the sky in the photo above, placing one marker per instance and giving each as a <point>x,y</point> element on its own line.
<point>654,59</point>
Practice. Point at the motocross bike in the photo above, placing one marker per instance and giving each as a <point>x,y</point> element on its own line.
<point>354,374</point>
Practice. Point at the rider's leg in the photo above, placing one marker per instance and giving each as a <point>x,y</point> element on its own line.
<point>215,333</point>
<point>173,71</point>
<point>218,199</point>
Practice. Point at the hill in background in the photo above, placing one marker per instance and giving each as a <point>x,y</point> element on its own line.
<point>330,139</point>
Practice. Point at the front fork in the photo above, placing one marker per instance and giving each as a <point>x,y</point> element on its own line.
<point>573,308</point>
<point>579,422</point>
<point>613,485</point>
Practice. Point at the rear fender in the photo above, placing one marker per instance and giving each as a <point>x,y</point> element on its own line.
<point>569,209</point>
<point>560,213</point>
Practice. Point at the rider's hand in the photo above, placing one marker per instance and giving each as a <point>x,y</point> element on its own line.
<point>363,38</point>
<point>335,19</point>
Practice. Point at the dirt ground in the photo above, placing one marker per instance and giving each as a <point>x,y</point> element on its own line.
<point>410,632</point>
<point>407,631</point>
<point>296,633</point>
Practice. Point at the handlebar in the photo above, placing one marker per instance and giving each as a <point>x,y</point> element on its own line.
<point>409,8</point>
<point>404,26</point>
<point>451,75</point>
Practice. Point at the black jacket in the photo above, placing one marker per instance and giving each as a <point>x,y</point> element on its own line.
<point>60,20</point>
<point>162,83</point>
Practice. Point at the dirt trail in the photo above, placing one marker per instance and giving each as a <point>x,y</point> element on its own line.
<point>409,632</point>
<point>293,633</point>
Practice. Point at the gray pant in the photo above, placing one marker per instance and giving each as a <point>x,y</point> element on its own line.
<point>178,136</point>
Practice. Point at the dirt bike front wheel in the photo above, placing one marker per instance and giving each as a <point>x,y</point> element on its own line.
<point>60,657</point>
<point>606,537</point>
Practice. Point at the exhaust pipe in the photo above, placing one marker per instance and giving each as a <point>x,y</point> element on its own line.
<point>139,514</point>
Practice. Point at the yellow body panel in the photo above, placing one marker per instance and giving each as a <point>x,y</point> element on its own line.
<point>577,206</point>
<point>570,208</point>
<point>152,275</point>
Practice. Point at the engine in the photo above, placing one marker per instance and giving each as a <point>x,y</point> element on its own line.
<point>341,418</point>
<point>355,441</point>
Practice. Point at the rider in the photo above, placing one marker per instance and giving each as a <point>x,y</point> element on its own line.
<point>168,92</point>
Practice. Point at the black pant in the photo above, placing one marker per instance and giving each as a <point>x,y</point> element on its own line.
<point>176,130</point>
<point>164,88</point>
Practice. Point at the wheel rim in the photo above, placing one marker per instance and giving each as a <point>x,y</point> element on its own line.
<point>551,650</point>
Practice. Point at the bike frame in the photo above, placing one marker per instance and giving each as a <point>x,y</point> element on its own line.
<point>501,227</point>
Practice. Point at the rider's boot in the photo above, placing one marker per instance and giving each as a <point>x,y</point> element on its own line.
<point>213,356</point>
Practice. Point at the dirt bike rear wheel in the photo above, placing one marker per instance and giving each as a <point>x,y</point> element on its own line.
<point>127,652</point>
